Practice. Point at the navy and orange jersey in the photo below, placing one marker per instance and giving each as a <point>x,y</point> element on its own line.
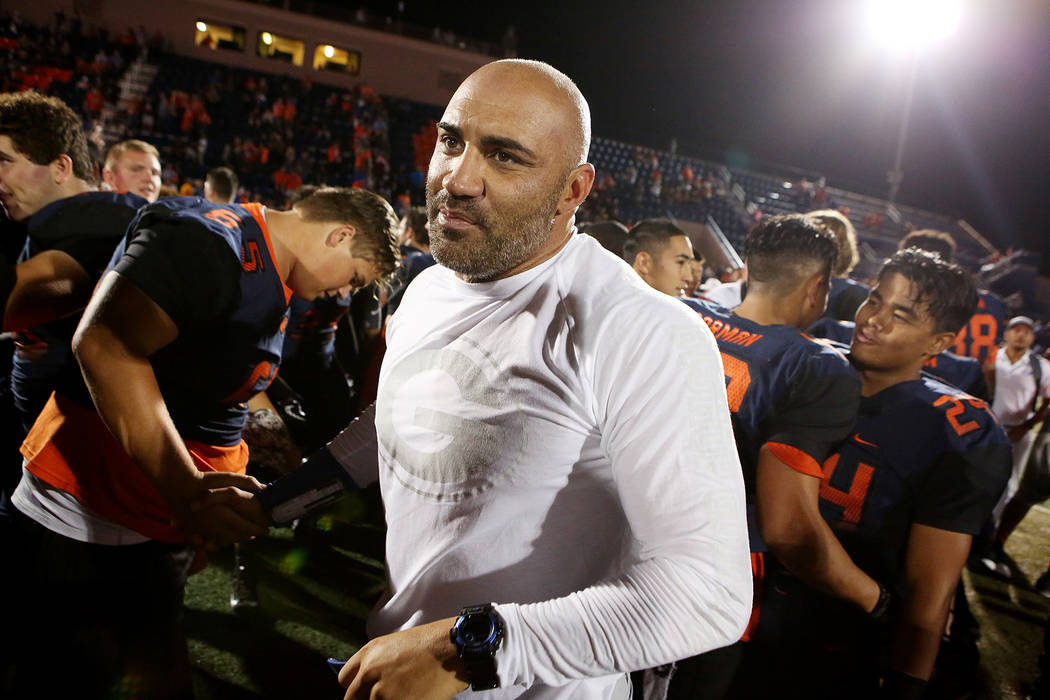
<point>312,327</point>
<point>961,372</point>
<point>833,329</point>
<point>211,268</point>
<point>922,452</point>
<point>844,298</point>
<point>787,391</point>
<point>984,331</point>
<point>87,227</point>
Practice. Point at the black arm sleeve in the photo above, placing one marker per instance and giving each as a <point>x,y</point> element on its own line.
<point>192,274</point>
<point>87,232</point>
<point>819,411</point>
<point>962,487</point>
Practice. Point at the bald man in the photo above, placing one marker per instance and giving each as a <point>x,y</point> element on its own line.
<point>562,492</point>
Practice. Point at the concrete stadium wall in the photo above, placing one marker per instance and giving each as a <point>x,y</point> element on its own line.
<point>395,65</point>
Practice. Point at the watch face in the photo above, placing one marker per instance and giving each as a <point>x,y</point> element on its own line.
<point>476,630</point>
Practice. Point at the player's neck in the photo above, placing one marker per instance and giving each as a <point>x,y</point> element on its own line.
<point>768,310</point>
<point>872,381</point>
<point>279,225</point>
<point>74,186</point>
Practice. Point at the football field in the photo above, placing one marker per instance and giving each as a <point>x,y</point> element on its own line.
<point>315,591</point>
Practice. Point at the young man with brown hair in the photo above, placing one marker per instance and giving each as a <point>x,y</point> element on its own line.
<point>185,327</point>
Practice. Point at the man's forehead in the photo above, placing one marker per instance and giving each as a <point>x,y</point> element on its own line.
<point>130,157</point>
<point>485,116</point>
<point>7,146</point>
<point>899,290</point>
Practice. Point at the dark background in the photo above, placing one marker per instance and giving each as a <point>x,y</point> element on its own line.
<point>807,83</point>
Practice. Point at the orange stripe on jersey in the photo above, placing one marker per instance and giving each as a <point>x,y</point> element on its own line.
<point>256,210</point>
<point>758,576</point>
<point>70,448</point>
<point>796,459</point>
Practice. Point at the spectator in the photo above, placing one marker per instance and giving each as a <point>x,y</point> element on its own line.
<point>1018,379</point>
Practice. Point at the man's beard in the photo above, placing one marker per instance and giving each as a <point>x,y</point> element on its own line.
<point>504,242</point>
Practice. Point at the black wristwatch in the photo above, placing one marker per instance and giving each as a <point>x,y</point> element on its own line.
<point>477,635</point>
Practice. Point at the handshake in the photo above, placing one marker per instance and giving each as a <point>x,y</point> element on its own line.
<point>227,508</point>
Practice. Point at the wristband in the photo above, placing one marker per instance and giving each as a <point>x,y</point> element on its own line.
<point>881,611</point>
<point>320,481</point>
<point>897,685</point>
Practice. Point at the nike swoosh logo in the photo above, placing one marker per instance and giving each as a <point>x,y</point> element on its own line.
<point>857,437</point>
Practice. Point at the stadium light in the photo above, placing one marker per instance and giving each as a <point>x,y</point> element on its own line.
<point>910,23</point>
<point>267,38</point>
<point>328,51</point>
<point>201,26</point>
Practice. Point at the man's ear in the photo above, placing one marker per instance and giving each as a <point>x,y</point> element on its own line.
<point>643,263</point>
<point>61,169</point>
<point>940,343</point>
<point>338,235</point>
<point>815,289</point>
<point>581,179</point>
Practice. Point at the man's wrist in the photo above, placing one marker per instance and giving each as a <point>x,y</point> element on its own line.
<point>881,611</point>
<point>477,635</point>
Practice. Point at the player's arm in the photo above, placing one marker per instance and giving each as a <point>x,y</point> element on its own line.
<point>793,529</point>
<point>47,286</point>
<point>121,328</point>
<point>933,562</point>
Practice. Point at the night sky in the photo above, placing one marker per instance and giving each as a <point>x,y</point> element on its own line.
<point>806,83</point>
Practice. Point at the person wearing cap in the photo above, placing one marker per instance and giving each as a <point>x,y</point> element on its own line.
<point>1017,373</point>
<point>1017,379</point>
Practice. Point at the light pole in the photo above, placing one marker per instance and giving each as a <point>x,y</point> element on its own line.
<point>908,25</point>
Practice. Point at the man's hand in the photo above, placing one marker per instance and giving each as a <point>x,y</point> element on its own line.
<point>225,512</point>
<point>419,663</point>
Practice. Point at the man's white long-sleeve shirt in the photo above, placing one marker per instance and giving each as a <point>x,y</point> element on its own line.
<point>559,443</point>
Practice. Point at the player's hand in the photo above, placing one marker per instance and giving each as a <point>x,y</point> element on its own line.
<point>419,663</point>
<point>225,511</point>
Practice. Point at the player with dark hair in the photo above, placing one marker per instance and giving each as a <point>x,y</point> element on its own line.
<point>185,327</point>
<point>910,489</point>
<point>220,186</point>
<point>416,257</point>
<point>931,240</point>
<point>661,254</point>
<point>793,400</point>
<point>961,372</point>
<point>979,336</point>
<point>47,181</point>
<point>611,234</point>
<point>413,230</point>
<point>846,295</point>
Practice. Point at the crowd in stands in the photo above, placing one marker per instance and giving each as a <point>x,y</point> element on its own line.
<point>233,135</point>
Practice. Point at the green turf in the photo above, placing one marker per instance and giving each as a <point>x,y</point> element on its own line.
<point>314,599</point>
<point>314,595</point>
